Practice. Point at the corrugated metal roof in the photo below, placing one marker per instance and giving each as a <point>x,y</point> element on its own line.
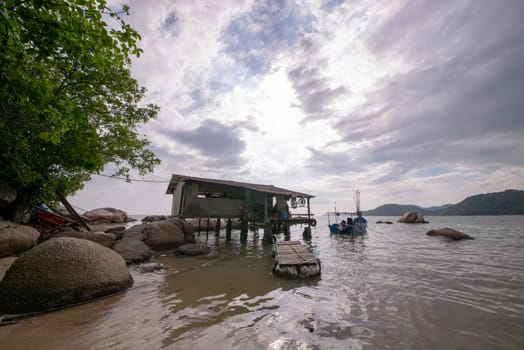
<point>175,178</point>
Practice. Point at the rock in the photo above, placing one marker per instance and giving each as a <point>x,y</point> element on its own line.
<point>151,218</point>
<point>102,238</point>
<point>16,238</point>
<point>163,234</point>
<point>118,231</point>
<point>187,228</point>
<point>4,265</point>
<point>192,249</point>
<point>132,250</point>
<point>150,267</point>
<point>132,247</point>
<point>412,217</point>
<point>60,272</point>
<point>384,222</point>
<point>448,233</point>
<point>137,241</point>
<point>106,215</point>
<point>115,228</point>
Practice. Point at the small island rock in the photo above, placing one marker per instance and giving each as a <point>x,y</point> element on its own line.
<point>448,233</point>
<point>412,217</point>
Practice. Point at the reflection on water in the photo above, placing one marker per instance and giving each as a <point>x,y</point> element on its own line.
<point>393,288</point>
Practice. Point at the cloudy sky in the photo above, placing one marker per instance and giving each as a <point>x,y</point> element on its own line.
<point>413,102</point>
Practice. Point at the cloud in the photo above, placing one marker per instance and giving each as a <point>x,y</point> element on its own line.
<point>314,91</point>
<point>217,144</point>
<point>254,38</point>
<point>455,103</point>
<point>410,101</point>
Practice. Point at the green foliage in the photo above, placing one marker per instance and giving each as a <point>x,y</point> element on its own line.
<point>68,103</point>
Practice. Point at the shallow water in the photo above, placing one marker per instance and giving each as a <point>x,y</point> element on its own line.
<point>394,288</point>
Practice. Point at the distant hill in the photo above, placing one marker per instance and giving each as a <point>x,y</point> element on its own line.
<point>395,210</point>
<point>509,202</point>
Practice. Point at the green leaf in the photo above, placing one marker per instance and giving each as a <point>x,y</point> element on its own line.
<point>68,102</point>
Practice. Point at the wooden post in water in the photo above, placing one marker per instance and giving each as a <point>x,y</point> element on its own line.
<point>228,229</point>
<point>308,213</point>
<point>199,227</point>
<point>268,234</point>
<point>243,229</point>
<point>217,227</point>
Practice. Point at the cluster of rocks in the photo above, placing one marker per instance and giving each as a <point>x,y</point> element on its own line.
<point>412,217</point>
<point>74,266</point>
<point>417,218</point>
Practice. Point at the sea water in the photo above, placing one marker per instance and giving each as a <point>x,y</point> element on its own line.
<point>393,288</point>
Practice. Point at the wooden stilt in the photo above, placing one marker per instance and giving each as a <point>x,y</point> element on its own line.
<point>268,234</point>
<point>228,229</point>
<point>217,227</point>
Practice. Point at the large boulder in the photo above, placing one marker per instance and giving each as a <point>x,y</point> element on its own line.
<point>137,241</point>
<point>60,272</point>
<point>15,238</point>
<point>164,234</point>
<point>106,215</point>
<point>105,239</point>
<point>412,217</point>
<point>448,233</point>
<point>131,246</point>
<point>186,227</point>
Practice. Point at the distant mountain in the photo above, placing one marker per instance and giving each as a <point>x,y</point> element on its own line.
<point>509,202</point>
<point>395,210</point>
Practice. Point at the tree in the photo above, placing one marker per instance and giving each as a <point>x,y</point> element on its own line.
<point>68,103</point>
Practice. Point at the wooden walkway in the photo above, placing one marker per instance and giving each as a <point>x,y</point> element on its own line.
<point>295,259</point>
<point>293,253</point>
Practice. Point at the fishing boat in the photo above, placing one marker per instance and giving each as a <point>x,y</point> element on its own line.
<point>351,225</point>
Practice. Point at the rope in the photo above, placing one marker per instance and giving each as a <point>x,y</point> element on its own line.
<point>127,179</point>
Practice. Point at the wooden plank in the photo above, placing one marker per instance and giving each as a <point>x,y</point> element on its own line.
<point>293,253</point>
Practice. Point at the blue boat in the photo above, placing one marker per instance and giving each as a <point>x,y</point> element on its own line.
<point>351,225</point>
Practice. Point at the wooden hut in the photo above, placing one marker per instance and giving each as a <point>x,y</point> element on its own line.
<point>254,204</point>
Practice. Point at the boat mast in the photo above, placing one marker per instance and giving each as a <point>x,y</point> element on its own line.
<point>356,197</point>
